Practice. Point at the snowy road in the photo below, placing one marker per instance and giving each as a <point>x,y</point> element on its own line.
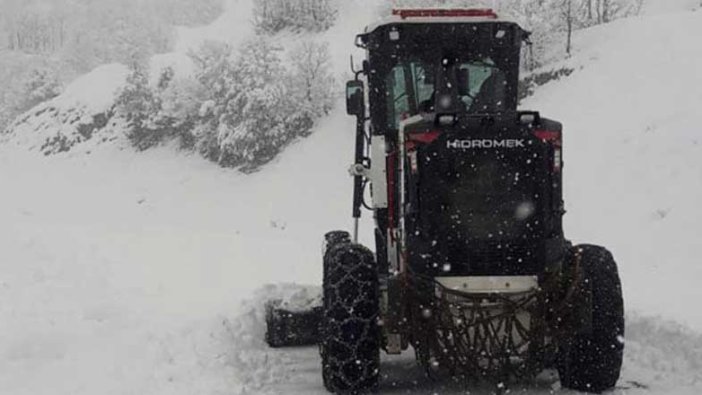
<point>130,281</point>
<point>660,358</point>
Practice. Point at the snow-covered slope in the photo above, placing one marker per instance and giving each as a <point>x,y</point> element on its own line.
<point>124,273</point>
<point>79,114</point>
<point>634,154</point>
<point>84,116</point>
<point>232,26</point>
<point>656,7</point>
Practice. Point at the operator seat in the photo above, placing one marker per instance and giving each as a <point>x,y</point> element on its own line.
<point>491,97</point>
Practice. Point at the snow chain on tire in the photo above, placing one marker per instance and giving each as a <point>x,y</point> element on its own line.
<point>350,344</point>
<point>591,360</point>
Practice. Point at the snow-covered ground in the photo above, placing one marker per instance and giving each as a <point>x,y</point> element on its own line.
<point>634,154</point>
<point>141,273</point>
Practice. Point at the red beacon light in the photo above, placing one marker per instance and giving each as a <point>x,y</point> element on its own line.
<point>446,13</point>
<point>555,139</point>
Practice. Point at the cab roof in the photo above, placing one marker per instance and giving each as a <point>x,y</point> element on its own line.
<point>437,15</point>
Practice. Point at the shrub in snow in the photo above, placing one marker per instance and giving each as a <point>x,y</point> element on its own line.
<point>531,81</point>
<point>42,85</point>
<point>137,104</point>
<point>240,110</point>
<point>180,102</point>
<point>246,123</point>
<point>255,106</point>
<point>253,122</point>
<point>214,73</point>
<point>272,16</point>
<point>25,82</point>
<point>156,113</point>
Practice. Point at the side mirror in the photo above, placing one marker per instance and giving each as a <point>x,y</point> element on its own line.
<point>463,80</point>
<point>355,101</point>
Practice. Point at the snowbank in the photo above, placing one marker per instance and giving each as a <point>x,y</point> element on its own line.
<point>256,365</point>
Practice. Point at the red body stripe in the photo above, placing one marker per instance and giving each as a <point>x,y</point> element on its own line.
<point>425,137</point>
<point>549,136</point>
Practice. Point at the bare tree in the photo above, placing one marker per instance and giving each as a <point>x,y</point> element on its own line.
<point>606,10</point>
<point>567,13</point>
<point>312,80</point>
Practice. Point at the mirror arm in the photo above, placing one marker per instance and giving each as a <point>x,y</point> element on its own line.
<point>358,73</point>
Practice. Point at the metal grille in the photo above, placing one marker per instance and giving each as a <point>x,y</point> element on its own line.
<point>477,336</point>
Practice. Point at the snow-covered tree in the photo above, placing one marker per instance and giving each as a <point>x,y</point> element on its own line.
<point>312,83</point>
<point>26,81</point>
<point>213,61</point>
<point>272,16</point>
<point>156,111</point>
<point>138,104</point>
<point>252,125</point>
<point>253,104</point>
<point>42,84</point>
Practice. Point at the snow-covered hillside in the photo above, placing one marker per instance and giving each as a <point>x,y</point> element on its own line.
<point>80,114</point>
<point>141,273</point>
<point>633,149</point>
<point>149,102</point>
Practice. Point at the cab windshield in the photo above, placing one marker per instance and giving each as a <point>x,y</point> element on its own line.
<point>410,88</point>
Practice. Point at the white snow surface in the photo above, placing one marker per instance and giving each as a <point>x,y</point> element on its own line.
<point>653,7</point>
<point>232,26</point>
<point>145,273</point>
<point>633,154</point>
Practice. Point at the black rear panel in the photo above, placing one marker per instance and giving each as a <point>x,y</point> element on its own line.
<point>479,205</point>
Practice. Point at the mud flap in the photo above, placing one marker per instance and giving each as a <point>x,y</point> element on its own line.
<point>287,328</point>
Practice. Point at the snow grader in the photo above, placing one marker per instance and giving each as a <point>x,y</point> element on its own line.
<point>471,268</point>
